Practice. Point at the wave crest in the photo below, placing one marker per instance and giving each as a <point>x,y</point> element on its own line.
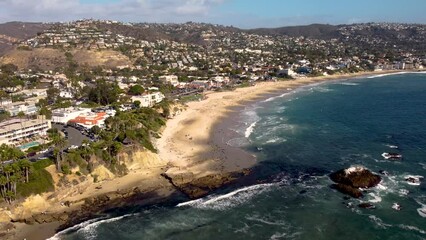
<point>225,201</point>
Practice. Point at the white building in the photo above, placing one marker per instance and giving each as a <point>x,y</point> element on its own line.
<point>220,79</point>
<point>15,130</point>
<point>5,102</point>
<point>63,115</point>
<point>27,107</point>
<point>287,72</point>
<point>172,79</point>
<point>66,94</point>
<point>88,120</point>
<point>32,92</point>
<point>149,100</point>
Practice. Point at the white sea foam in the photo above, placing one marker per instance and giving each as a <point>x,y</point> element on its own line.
<point>403,192</point>
<point>89,231</point>
<point>89,227</point>
<point>382,187</point>
<point>285,235</point>
<point>74,228</point>
<point>281,109</point>
<point>379,222</point>
<point>276,140</point>
<point>259,219</point>
<point>225,201</point>
<point>412,228</point>
<point>417,178</point>
<point>349,83</point>
<point>250,130</point>
<point>276,97</point>
<point>422,211</point>
<point>375,198</point>
<point>238,142</point>
<point>190,203</point>
<point>321,89</point>
<point>387,74</point>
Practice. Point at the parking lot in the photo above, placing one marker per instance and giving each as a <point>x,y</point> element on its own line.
<point>73,135</point>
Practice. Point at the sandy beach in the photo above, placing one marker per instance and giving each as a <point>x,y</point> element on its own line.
<point>194,141</point>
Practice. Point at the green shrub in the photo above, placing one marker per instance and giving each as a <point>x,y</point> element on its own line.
<point>40,180</point>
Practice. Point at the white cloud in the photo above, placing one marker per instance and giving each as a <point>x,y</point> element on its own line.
<point>128,10</point>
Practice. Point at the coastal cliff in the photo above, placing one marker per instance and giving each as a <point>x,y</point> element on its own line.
<point>146,183</point>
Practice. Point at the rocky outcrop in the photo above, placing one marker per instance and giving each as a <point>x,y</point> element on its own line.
<point>195,187</point>
<point>350,180</point>
<point>95,206</point>
<point>6,230</point>
<point>366,205</point>
<point>101,173</point>
<point>141,159</point>
<point>347,189</point>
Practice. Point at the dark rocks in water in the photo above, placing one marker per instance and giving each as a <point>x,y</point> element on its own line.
<point>346,198</point>
<point>384,172</point>
<point>349,205</point>
<point>351,179</point>
<point>366,205</point>
<point>347,189</point>
<point>303,192</point>
<point>195,187</point>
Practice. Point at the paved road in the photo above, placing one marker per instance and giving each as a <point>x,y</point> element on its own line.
<point>74,136</point>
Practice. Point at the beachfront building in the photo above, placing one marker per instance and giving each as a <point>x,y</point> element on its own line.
<point>149,100</point>
<point>88,120</point>
<point>15,131</point>
<point>172,79</point>
<point>63,115</point>
<point>287,73</point>
<point>200,84</point>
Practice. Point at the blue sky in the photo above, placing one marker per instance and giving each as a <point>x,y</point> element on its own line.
<point>240,13</point>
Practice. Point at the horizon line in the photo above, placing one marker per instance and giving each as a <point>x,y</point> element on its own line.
<point>210,23</point>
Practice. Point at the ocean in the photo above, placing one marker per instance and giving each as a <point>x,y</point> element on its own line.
<point>299,138</point>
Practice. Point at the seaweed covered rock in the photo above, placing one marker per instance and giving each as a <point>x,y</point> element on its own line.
<point>351,179</point>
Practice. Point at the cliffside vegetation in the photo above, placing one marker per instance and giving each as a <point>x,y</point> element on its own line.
<point>21,178</point>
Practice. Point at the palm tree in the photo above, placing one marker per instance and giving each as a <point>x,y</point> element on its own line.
<point>87,150</point>
<point>8,170</point>
<point>59,151</point>
<point>13,181</point>
<point>59,142</point>
<point>56,156</point>
<point>9,196</point>
<point>25,165</point>
<point>3,188</point>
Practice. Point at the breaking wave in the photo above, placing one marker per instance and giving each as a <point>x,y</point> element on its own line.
<point>386,74</point>
<point>225,201</point>
<point>250,130</point>
<point>89,227</point>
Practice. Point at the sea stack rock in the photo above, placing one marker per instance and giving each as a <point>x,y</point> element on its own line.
<point>350,180</point>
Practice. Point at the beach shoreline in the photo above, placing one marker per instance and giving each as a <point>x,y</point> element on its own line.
<point>195,141</point>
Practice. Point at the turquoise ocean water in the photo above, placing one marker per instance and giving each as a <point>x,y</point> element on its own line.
<point>300,137</point>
